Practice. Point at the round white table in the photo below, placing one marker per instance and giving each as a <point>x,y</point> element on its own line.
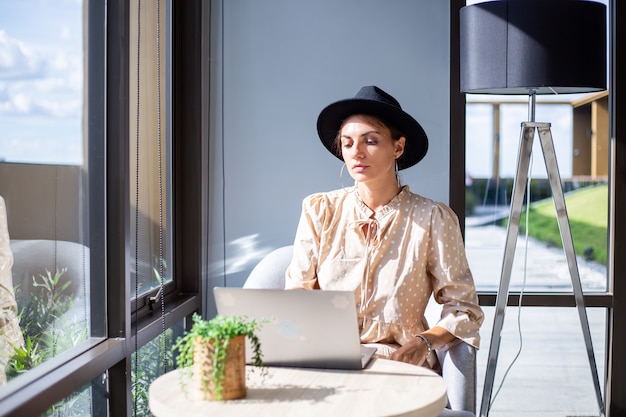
<point>384,388</point>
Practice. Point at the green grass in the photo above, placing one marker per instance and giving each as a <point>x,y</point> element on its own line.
<point>588,217</point>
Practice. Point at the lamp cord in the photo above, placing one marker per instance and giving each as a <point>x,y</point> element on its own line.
<point>521,294</point>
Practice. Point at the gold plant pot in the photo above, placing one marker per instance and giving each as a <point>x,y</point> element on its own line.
<point>234,383</point>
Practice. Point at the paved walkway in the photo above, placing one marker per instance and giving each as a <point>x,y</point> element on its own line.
<point>551,376</point>
<point>546,267</point>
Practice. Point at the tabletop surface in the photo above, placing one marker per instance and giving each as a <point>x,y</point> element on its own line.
<point>384,388</point>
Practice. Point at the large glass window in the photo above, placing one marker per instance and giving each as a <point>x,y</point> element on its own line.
<point>540,267</point>
<point>543,368</point>
<point>540,275</point>
<point>150,147</point>
<point>150,160</point>
<point>87,193</point>
<point>493,135</point>
<point>43,181</point>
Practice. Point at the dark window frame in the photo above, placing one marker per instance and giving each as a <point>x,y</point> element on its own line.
<point>110,349</point>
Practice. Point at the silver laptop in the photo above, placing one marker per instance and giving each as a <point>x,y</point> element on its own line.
<point>314,329</point>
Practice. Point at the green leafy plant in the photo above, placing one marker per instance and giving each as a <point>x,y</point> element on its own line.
<point>24,358</point>
<point>148,363</point>
<point>42,308</point>
<point>47,332</point>
<point>219,331</point>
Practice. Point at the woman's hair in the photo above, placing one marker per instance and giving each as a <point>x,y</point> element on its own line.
<point>396,134</point>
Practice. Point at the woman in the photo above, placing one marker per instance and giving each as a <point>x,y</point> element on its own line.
<point>393,248</point>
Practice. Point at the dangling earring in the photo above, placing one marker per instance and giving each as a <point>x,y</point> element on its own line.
<point>341,177</point>
<point>398,175</point>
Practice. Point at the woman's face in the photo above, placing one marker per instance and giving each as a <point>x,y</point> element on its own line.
<point>368,149</point>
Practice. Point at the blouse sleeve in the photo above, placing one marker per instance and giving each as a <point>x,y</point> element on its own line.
<point>302,272</point>
<point>453,284</point>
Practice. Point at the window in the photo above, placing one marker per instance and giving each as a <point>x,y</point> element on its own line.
<point>150,149</point>
<point>43,179</point>
<point>112,212</point>
<point>540,270</point>
<point>539,264</point>
<point>493,134</point>
<point>580,126</point>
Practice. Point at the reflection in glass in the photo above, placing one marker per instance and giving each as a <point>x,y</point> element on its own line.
<point>43,176</point>
<point>82,403</point>
<point>150,149</point>
<point>148,363</point>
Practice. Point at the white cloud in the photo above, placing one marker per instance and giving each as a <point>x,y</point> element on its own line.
<point>53,97</point>
<point>16,59</point>
<point>41,81</point>
<point>49,84</point>
<point>65,32</point>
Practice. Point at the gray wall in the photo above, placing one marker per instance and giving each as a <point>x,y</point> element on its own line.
<point>275,64</point>
<point>43,201</point>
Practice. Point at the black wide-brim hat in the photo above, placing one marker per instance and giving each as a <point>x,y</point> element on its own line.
<point>371,100</point>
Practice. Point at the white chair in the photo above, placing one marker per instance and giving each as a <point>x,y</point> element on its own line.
<point>458,363</point>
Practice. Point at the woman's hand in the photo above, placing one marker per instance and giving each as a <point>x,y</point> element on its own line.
<point>415,350</point>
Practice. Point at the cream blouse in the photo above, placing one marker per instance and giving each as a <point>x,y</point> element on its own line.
<point>393,260</point>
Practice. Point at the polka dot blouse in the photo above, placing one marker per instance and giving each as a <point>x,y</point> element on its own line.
<point>393,260</point>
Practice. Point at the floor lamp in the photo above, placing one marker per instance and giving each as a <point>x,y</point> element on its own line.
<point>531,47</point>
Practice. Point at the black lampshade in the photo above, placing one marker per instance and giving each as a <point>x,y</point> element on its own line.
<point>551,46</point>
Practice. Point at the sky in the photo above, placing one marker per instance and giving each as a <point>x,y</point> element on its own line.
<point>41,81</point>
<point>479,136</point>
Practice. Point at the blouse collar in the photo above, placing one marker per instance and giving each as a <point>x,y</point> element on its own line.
<point>394,204</point>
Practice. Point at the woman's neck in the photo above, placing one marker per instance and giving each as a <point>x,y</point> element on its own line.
<point>376,197</point>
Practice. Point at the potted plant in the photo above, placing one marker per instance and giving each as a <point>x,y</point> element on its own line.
<point>212,355</point>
